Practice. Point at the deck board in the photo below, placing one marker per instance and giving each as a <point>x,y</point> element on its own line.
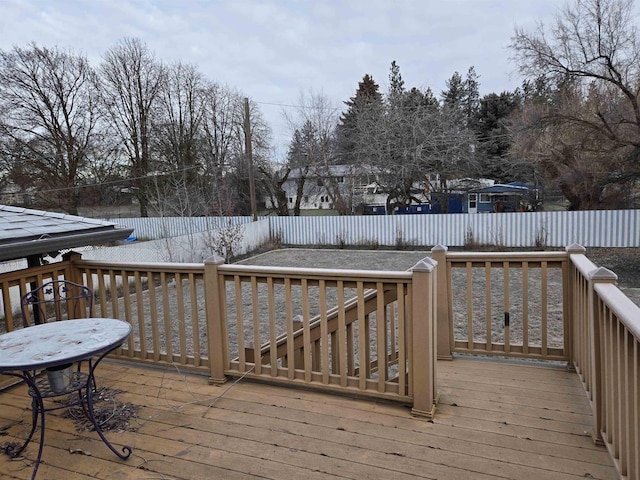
<point>494,420</point>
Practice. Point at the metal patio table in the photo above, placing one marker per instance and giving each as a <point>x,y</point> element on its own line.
<point>53,346</point>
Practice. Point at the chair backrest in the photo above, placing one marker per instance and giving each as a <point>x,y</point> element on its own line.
<point>56,300</point>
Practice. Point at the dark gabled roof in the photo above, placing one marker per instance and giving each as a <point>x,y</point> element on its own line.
<point>25,232</point>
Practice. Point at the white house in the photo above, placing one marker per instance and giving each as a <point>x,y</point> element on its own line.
<point>322,186</point>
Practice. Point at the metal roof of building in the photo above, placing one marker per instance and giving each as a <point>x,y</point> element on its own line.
<point>502,188</point>
<point>25,232</point>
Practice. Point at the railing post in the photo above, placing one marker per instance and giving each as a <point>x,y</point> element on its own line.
<point>569,285</point>
<point>214,295</point>
<point>75,275</point>
<point>599,275</point>
<point>445,339</point>
<point>423,338</point>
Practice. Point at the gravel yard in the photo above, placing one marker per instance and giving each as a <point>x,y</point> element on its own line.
<point>625,262</point>
<point>403,260</point>
<point>344,259</point>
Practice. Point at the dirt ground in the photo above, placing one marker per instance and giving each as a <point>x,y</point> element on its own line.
<point>624,262</point>
<point>343,259</point>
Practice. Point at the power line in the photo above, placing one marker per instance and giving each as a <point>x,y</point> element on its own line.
<point>123,180</point>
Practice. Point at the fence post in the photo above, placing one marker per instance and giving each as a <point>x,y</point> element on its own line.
<point>423,335</point>
<point>445,339</point>
<point>598,275</point>
<point>214,295</point>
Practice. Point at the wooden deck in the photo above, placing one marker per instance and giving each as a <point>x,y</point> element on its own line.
<point>494,420</point>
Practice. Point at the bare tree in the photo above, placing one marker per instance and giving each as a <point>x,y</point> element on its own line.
<point>220,127</point>
<point>179,185</point>
<point>222,118</point>
<point>410,139</point>
<point>49,119</point>
<point>314,151</point>
<point>177,120</point>
<point>591,55</point>
<point>273,182</point>
<point>131,83</point>
<point>223,147</point>
<point>591,172</point>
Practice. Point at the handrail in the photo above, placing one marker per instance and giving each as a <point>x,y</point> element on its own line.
<point>463,256</point>
<point>621,306</point>
<point>616,377</point>
<point>145,266</point>
<point>315,323</point>
<point>315,273</point>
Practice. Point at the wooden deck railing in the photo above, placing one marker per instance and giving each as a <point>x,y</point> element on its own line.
<point>566,308</point>
<point>164,303</point>
<point>503,303</point>
<point>359,331</point>
<point>16,284</point>
<point>332,329</point>
<point>607,358</point>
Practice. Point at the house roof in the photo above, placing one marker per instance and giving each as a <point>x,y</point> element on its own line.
<point>501,188</point>
<point>322,170</point>
<point>25,232</point>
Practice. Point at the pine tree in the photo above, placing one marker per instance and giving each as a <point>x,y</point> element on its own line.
<point>463,96</point>
<point>365,102</point>
<point>453,97</point>
<point>396,85</point>
<point>304,147</point>
<point>492,133</point>
<point>471,100</point>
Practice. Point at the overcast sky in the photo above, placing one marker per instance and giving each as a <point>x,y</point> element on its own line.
<point>273,50</point>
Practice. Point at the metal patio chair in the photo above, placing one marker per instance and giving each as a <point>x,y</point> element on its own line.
<point>56,300</point>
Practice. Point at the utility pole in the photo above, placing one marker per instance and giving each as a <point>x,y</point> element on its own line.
<point>247,146</point>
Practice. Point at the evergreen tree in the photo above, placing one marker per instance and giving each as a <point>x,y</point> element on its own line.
<point>362,108</point>
<point>453,97</point>
<point>303,147</point>
<point>463,96</point>
<point>396,84</point>
<point>494,139</point>
<point>471,99</point>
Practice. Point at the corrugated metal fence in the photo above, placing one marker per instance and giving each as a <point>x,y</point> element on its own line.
<point>596,228</point>
<point>190,247</point>
<point>153,228</point>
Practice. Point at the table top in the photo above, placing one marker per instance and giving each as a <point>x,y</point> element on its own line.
<point>56,343</point>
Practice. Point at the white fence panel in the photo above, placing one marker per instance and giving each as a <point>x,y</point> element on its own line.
<point>153,228</point>
<point>594,228</point>
<point>191,248</point>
